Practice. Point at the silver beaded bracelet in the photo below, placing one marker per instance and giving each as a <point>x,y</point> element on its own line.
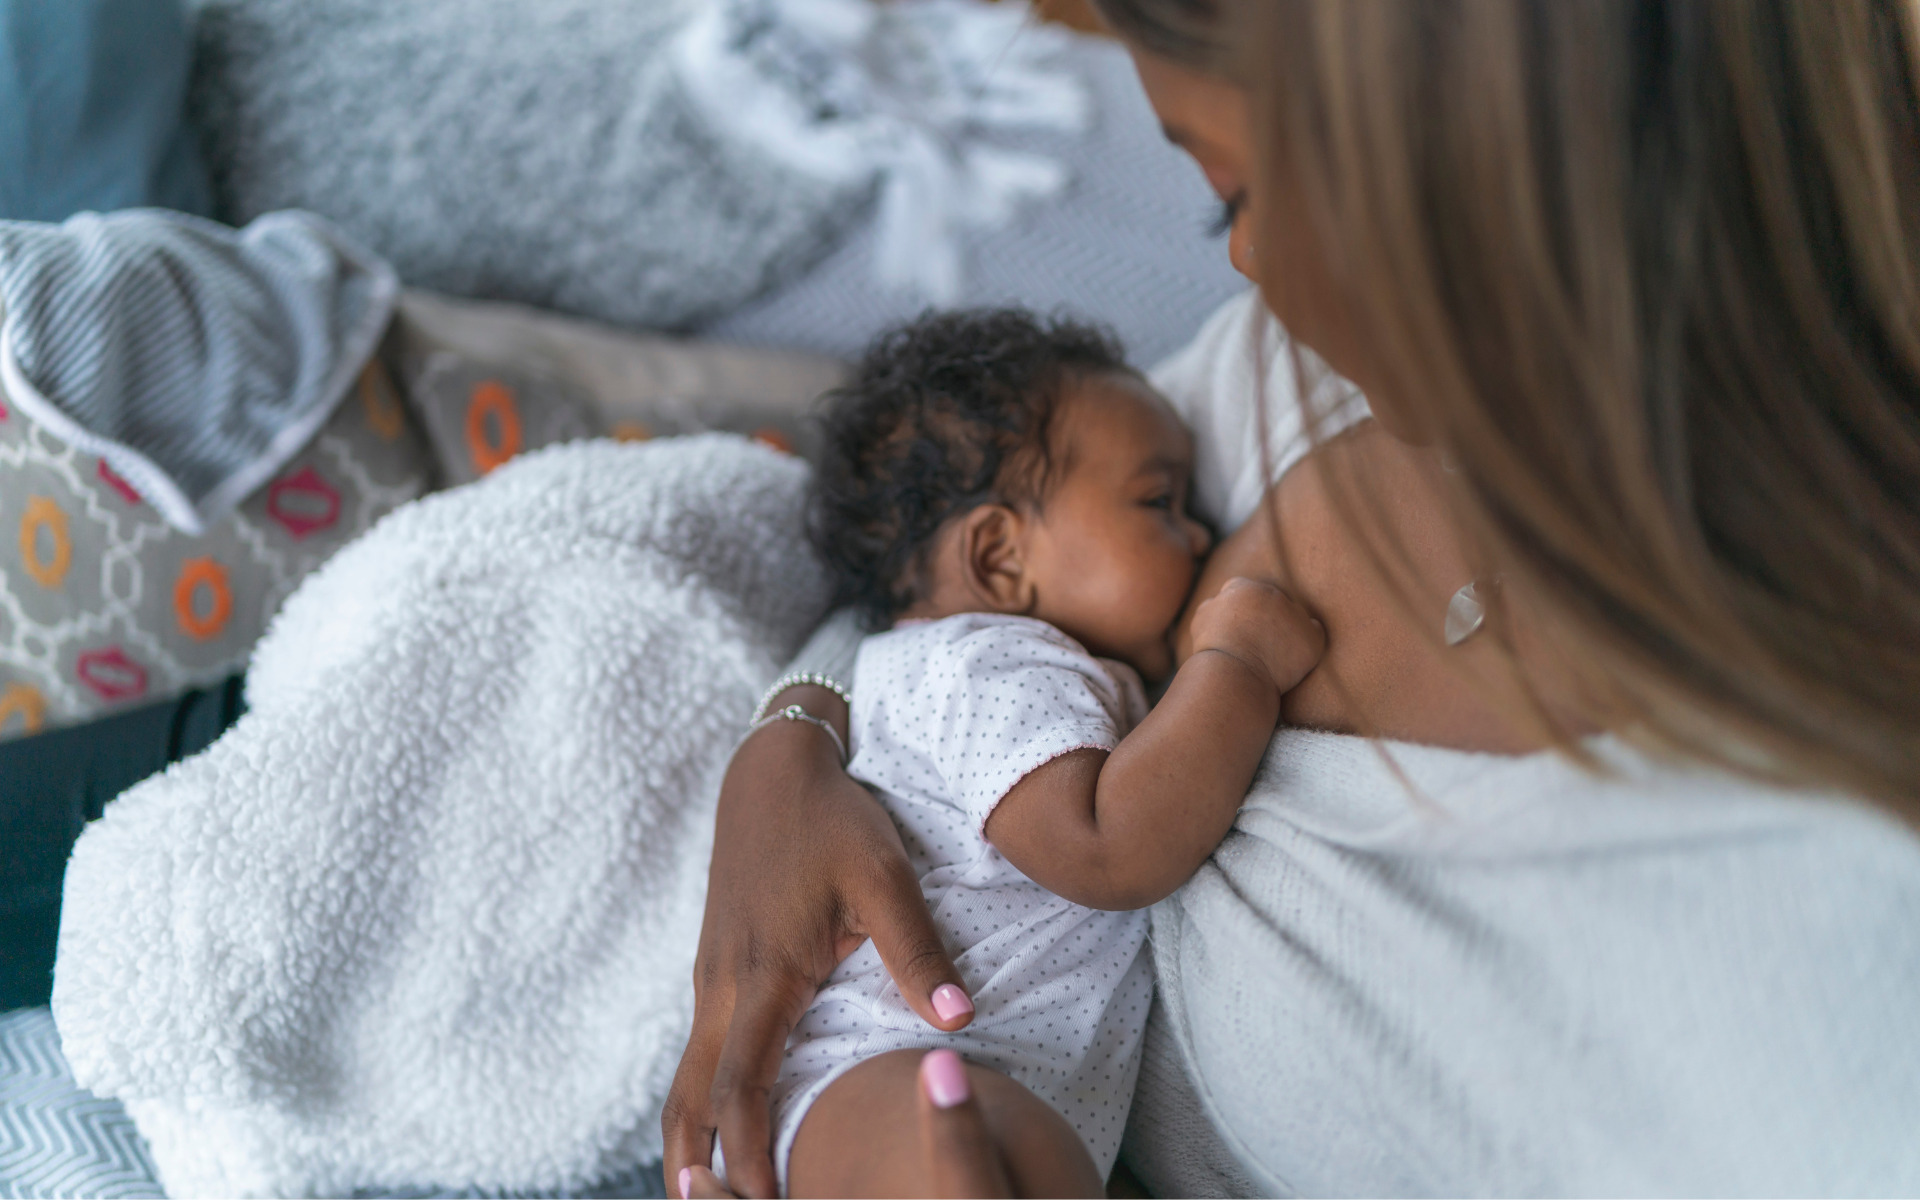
<point>793,712</point>
<point>797,679</point>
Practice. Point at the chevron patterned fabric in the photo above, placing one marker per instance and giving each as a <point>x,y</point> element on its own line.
<point>57,1139</point>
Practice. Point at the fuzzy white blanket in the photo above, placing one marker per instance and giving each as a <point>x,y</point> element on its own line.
<point>427,915</point>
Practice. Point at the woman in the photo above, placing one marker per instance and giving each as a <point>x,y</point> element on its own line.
<point>1634,291</point>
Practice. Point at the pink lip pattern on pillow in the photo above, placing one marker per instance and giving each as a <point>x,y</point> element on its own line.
<point>104,606</point>
<point>111,674</point>
<point>303,503</point>
<point>112,479</point>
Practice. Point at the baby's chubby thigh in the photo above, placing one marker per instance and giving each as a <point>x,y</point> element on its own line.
<point>877,1132</point>
<point>1060,997</point>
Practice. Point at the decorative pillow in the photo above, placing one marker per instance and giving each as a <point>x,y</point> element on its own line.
<point>92,98</point>
<point>1128,245</point>
<point>492,380</point>
<point>479,415</point>
<point>539,152</point>
<point>103,605</point>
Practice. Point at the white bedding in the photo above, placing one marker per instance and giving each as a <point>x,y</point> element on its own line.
<point>427,915</point>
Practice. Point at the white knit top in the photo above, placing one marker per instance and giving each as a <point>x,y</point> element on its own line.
<point>1519,978</point>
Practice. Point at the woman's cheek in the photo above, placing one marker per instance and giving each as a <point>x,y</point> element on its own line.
<point>1240,248</point>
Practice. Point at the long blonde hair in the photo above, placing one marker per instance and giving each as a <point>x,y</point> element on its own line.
<point>1649,274</point>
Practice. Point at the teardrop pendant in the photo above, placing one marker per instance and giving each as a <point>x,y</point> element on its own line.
<point>1465,615</point>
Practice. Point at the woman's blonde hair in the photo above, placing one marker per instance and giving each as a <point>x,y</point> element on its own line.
<point>1649,274</point>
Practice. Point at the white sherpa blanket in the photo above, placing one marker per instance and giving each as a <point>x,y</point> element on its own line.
<point>427,914</point>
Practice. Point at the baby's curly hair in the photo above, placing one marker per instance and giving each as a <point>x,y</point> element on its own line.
<point>943,414</point>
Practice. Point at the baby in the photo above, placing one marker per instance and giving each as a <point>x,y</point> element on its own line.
<point>1006,499</point>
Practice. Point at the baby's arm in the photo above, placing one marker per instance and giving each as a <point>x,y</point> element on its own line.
<point>1123,830</point>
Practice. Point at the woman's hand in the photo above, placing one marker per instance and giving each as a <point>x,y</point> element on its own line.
<point>806,867</point>
<point>956,1146</point>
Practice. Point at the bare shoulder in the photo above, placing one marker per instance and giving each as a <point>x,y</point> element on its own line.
<point>1330,534</point>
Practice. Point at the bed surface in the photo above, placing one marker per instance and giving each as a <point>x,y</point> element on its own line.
<point>58,1139</point>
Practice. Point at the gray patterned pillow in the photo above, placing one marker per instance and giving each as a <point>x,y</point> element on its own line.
<point>488,380</point>
<point>104,606</point>
<point>478,415</point>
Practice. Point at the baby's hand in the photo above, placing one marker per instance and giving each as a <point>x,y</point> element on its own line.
<point>1263,627</point>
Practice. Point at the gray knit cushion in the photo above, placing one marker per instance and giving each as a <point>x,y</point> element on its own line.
<point>1127,243</point>
<point>505,149</point>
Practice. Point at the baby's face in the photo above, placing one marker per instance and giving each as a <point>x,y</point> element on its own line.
<point>1113,553</point>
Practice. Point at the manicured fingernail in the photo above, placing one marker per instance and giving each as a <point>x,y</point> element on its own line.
<point>950,1002</point>
<point>945,1078</point>
<point>686,1182</point>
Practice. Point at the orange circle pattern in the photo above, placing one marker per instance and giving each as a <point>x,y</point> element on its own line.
<point>195,574</point>
<point>43,513</point>
<point>381,405</point>
<point>24,702</point>
<point>491,399</point>
<point>774,438</point>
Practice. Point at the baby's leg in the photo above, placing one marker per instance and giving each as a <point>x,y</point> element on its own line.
<point>862,1137</point>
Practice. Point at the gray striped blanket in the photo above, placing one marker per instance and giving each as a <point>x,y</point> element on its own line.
<point>193,358</point>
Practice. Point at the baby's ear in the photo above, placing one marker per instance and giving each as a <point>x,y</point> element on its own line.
<point>993,546</point>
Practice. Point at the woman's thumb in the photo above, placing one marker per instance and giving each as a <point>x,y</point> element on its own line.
<point>959,1151</point>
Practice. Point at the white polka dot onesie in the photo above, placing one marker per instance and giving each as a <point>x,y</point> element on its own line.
<point>947,716</point>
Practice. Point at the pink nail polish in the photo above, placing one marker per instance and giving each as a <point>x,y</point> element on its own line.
<point>686,1182</point>
<point>950,1002</point>
<point>944,1077</point>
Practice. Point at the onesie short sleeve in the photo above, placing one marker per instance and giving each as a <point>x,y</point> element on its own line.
<point>960,710</point>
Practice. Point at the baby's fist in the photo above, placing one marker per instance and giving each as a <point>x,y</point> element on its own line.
<point>1262,626</point>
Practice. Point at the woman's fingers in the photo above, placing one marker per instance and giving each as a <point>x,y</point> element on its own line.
<point>959,1151</point>
<point>893,912</point>
<point>806,866</point>
<point>687,1120</point>
<point>698,1183</point>
<point>743,1081</point>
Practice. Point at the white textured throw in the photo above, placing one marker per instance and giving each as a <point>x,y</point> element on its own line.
<point>427,915</point>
